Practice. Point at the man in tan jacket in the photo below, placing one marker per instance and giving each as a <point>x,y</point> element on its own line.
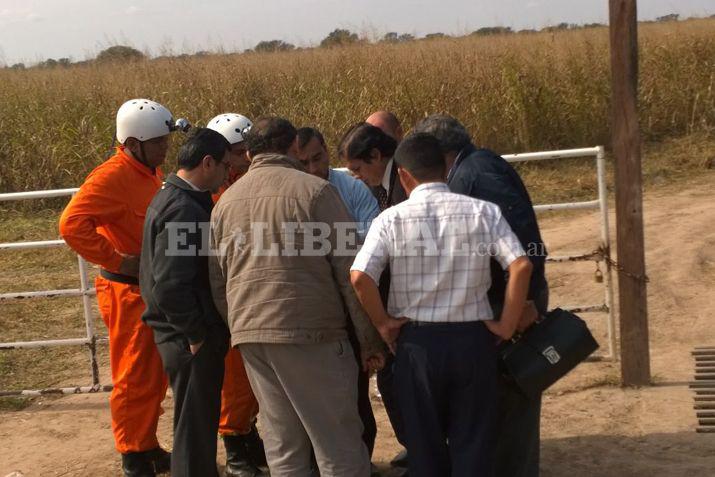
<point>282,244</point>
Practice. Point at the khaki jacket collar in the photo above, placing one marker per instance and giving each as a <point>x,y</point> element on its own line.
<point>275,160</point>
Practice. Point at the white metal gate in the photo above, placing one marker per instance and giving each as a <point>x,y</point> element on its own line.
<point>86,291</point>
<point>603,252</point>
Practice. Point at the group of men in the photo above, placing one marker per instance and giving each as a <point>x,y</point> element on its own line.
<point>258,277</point>
<point>104,223</point>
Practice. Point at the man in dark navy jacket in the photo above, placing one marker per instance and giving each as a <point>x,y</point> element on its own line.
<point>482,174</point>
<point>191,336</point>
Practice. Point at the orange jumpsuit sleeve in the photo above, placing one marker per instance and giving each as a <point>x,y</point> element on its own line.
<point>94,205</point>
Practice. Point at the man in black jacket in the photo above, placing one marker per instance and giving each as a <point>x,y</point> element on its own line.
<point>482,174</point>
<point>188,330</point>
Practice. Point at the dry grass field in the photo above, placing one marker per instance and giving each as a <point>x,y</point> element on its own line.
<point>521,92</point>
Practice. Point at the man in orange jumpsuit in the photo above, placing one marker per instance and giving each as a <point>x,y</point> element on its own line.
<point>103,223</point>
<point>239,407</point>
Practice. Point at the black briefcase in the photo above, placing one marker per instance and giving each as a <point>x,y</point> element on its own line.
<point>546,351</point>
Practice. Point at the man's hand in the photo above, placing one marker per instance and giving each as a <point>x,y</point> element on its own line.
<point>529,315</point>
<point>514,299</point>
<point>373,362</point>
<point>497,328</point>
<point>194,348</point>
<point>389,330</point>
<point>129,266</point>
<point>369,296</point>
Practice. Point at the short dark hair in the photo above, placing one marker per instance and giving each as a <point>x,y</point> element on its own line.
<point>452,135</point>
<point>202,142</point>
<point>305,135</point>
<point>422,156</point>
<point>270,134</point>
<point>362,138</point>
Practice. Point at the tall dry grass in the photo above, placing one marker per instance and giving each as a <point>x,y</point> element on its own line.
<point>515,93</point>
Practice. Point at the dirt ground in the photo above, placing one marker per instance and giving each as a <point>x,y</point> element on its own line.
<point>590,425</point>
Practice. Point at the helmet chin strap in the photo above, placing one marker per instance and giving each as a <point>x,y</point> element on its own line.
<point>141,158</point>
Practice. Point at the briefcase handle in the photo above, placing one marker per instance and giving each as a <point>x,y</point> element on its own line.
<point>517,336</point>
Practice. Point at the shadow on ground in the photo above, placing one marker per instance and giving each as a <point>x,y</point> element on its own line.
<point>651,455</point>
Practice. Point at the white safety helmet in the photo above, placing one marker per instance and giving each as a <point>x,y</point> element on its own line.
<point>231,126</point>
<point>143,119</point>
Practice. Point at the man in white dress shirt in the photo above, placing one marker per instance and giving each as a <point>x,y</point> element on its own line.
<point>438,320</point>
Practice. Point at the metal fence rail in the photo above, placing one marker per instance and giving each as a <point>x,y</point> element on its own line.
<point>85,292</point>
<point>603,253</point>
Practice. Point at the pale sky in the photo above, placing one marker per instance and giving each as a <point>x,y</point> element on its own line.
<point>33,30</point>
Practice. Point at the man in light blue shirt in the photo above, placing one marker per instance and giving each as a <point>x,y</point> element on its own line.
<point>360,202</point>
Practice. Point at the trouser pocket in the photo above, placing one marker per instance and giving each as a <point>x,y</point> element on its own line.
<point>174,354</point>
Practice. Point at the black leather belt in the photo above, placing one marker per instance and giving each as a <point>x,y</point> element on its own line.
<point>118,277</point>
<point>418,324</point>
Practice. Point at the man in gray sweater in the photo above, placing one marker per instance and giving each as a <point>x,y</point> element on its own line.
<point>282,249</point>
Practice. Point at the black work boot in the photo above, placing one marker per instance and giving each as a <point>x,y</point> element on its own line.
<point>161,460</point>
<point>254,448</point>
<point>237,460</point>
<point>137,464</point>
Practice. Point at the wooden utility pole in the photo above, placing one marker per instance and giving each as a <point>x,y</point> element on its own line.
<point>635,354</point>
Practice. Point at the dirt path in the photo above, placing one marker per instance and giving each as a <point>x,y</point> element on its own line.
<point>591,427</point>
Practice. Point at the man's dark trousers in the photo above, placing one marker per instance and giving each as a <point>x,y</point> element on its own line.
<point>519,437</point>
<point>519,433</point>
<point>386,386</point>
<point>447,377</point>
<point>363,386</point>
<point>196,382</point>
<point>385,378</point>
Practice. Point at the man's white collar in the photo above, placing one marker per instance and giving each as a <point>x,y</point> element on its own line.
<point>387,175</point>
